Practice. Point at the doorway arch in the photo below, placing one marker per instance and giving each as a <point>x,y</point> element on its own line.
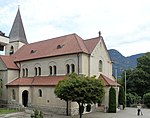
<point>25,98</point>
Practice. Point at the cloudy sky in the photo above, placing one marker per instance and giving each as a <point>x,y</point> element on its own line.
<point>124,24</point>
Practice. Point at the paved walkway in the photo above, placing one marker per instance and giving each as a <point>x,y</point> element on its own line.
<point>127,113</point>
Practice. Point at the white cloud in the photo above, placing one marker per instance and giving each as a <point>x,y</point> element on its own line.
<point>124,23</point>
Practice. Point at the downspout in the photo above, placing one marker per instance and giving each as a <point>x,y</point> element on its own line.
<point>78,63</point>
<point>19,69</point>
<point>89,66</point>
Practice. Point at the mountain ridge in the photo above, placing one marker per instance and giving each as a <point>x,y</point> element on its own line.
<point>121,63</point>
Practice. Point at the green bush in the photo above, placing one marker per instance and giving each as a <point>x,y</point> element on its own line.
<point>112,100</point>
<point>132,99</point>
<point>147,99</point>
<point>37,114</point>
<point>121,97</point>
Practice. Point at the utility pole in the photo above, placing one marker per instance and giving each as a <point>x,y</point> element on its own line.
<point>125,86</point>
<point>116,76</point>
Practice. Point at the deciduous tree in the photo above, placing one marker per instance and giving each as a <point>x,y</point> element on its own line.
<point>81,89</point>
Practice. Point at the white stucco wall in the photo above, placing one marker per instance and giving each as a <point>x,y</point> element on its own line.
<point>16,46</point>
<point>48,98</point>
<point>4,40</point>
<point>3,76</point>
<point>59,61</point>
<point>12,75</point>
<point>100,53</point>
<point>84,68</point>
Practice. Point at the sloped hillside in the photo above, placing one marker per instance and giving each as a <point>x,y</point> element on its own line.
<point>121,62</point>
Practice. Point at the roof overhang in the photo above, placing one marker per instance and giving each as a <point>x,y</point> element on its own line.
<point>108,81</point>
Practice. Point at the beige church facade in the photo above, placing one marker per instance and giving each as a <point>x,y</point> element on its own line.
<point>30,72</point>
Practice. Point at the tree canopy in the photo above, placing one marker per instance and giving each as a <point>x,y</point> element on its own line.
<point>138,79</point>
<point>81,89</point>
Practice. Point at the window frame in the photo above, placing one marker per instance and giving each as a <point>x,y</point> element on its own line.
<point>100,66</point>
<point>13,94</point>
<point>68,68</point>
<point>40,93</point>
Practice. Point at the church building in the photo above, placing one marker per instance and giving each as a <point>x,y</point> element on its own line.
<point>29,72</point>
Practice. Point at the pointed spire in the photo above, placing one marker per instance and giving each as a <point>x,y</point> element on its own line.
<point>17,32</point>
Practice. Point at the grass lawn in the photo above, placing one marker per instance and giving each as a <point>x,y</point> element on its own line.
<point>6,111</point>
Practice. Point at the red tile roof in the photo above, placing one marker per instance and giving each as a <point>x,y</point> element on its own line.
<point>37,80</point>
<point>9,62</point>
<point>107,81</point>
<point>69,44</point>
<point>91,43</point>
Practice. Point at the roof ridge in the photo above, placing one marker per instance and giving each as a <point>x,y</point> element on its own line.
<point>92,38</point>
<point>75,35</point>
<point>91,43</point>
<point>51,39</point>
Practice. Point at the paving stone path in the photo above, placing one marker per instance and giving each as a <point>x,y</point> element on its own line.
<point>127,113</point>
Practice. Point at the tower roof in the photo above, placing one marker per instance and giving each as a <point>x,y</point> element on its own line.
<point>17,32</point>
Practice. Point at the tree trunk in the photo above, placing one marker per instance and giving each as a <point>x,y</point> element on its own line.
<point>80,109</point>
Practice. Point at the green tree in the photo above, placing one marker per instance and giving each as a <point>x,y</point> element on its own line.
<point>138,79</point>
<point>81,89</point>
<point>138,82</point>
<point>144,63</point>
<point>112,100</point>
<point>147,99</point>
<point>121,97</point>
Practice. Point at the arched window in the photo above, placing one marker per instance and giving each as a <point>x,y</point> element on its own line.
<point>50,70</point>
<point>26,72</point>
<point>68,68</point>
<point>23,72</point>
<point>35,71</point>
<point>40,93</point>
<point>11,50</point>
<point>55,70</point>
<point>13,94</point>
<point>73,68</point>
<point>100,66</point>
<point>39,70</point>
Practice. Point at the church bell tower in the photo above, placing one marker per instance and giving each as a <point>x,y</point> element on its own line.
<point>17,36</point>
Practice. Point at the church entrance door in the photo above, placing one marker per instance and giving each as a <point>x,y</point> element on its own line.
<point>25,98</point>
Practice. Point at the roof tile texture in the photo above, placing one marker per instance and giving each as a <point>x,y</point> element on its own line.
<point>68,44</point>
<point>107,81</point>
<point>37,80</point>
<point>9,62</point>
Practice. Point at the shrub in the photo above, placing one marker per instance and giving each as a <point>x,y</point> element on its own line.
<point>112,100</point>
<point>132,99</point>
<point>147,99</point>
<point>37,114</point>
<point>121,97</point>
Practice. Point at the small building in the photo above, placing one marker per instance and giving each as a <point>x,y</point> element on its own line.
<point>3,40</point>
